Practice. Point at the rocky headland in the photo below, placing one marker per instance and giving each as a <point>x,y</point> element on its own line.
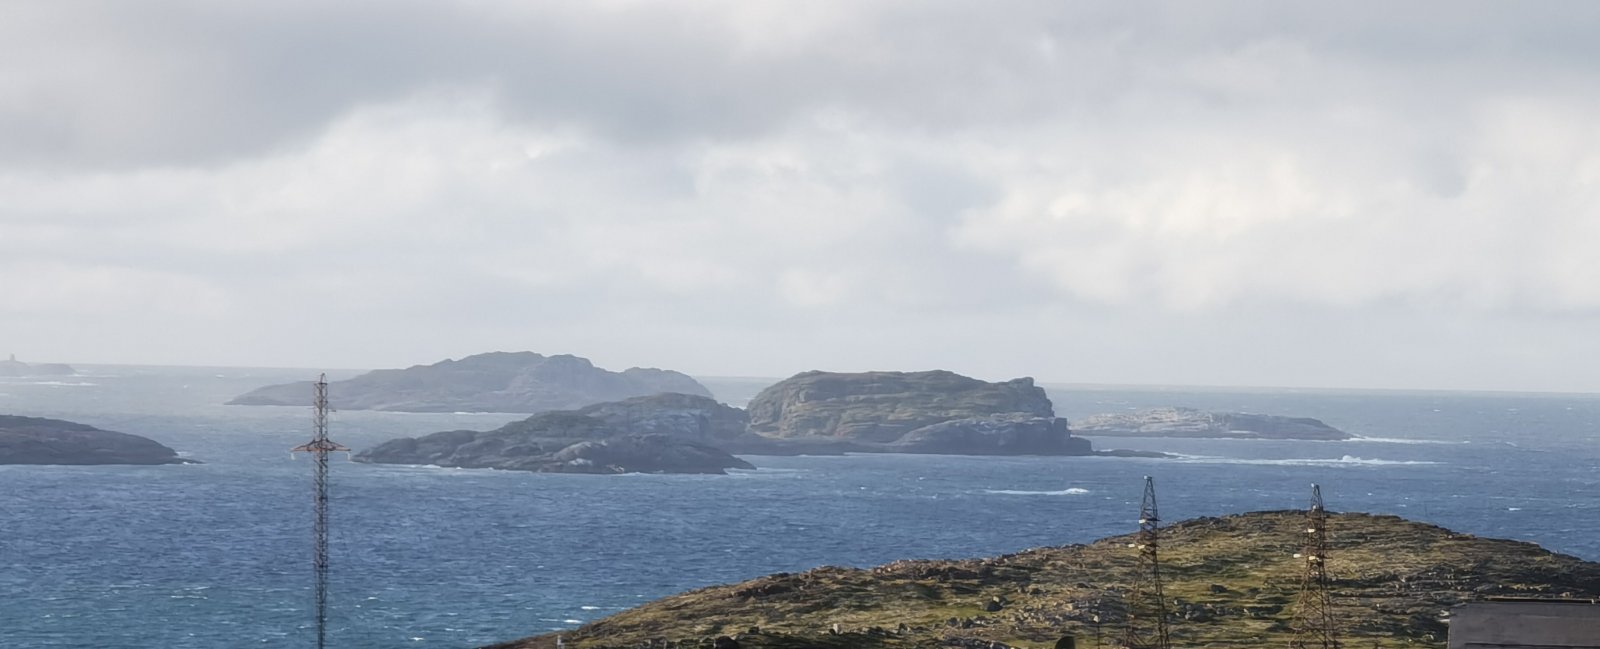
<point>664,433</point>
<point>907,412</point>
<point>1190,422</point>
<point>1230,581</point>
<point>518,382</point>
<point>11,367</point>
<point>35,440</point>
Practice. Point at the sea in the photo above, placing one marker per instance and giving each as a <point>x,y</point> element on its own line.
<point>219,554</point>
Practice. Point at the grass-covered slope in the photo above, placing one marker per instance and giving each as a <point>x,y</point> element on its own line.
<point>1230,581</point>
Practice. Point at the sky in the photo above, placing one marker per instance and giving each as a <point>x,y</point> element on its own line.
<point>1354,195</point>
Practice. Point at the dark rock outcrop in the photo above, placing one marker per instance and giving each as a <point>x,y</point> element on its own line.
<point>665,433</point>
<point>1189,422</point>
<point>12,367</point>
<point>35,440</point>
<point>522,382</point>
<point>994,435</point>
<point>883,406</point>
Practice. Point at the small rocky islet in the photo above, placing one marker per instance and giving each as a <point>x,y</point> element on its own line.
<point>1195,423</point>
<point>37,440</point>
<point>1229,581</point>
<point>10,367</point>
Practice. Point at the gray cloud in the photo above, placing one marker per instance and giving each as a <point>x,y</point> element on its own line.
<point>1145,192</point>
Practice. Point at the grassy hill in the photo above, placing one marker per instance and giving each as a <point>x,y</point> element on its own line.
<point>1230,581</point>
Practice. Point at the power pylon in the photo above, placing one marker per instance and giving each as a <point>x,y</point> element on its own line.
<point>1313,617</point>
<point>1147,605</point>
<point>319,447</point>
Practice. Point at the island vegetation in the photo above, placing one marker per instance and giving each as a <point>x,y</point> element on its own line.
<point>1229,581</point>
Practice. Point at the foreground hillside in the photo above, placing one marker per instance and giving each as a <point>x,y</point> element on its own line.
<point>1231,580</point>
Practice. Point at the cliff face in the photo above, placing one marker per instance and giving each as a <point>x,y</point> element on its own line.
<point>1232,581</point>
<point>884,406</point>
<point>494,382</point>
<point>906,412</point>
<point>34,440</point>
<point>666,433</point>
<point>1189,422</point>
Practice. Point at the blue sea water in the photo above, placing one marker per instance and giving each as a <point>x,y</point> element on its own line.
<point>217,554</point>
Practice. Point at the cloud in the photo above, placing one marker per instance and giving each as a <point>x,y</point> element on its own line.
<point>904,183</point>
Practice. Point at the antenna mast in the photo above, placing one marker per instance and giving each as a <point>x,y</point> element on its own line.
<point>1147,606</point>
<point>319,447</point>
<point>1313,618</point>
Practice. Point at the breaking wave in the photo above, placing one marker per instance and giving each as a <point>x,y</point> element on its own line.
<point>1404,440</point>
<point>1348,460</point>
<point>1074,491</point>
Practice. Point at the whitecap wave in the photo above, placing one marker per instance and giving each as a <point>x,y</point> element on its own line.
<point>1348,460</point>
<point>1403,440</point>
<point>68,384</point>
<point>1073,491</point>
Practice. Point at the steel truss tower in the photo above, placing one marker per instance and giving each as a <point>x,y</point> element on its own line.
<point>1313,617</point>
<point>319,447</point>
<point>1147,605</point>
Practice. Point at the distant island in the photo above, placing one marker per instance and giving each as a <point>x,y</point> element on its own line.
<point>1190,422</point>
<point>11,367</point>
<point>517,382</point>
<point>934,411</point>
<point>664,433</point>
<point>35,440</point>
<point>811,413</point>
<point>1229,581</point>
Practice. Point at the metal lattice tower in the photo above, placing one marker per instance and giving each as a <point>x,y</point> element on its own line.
<point>319,447</point>
<point>1147,605</point>
<point>1313,617</point>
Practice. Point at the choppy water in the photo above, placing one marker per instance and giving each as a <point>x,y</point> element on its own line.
<point>217,555</point>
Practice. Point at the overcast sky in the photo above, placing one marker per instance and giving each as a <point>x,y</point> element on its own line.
<point>1385,195</point>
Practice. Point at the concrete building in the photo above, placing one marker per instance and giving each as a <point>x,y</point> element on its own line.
<point>1530,624</point>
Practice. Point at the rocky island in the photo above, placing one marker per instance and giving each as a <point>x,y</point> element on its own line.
<point>1230,581</point>
<point>664,433</point>
<point>35,440</point>
<point>519,382</point>
<point>11,367</point>
<point>908,412</point>
<point>811,413</point>
<point>1190,422</point>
